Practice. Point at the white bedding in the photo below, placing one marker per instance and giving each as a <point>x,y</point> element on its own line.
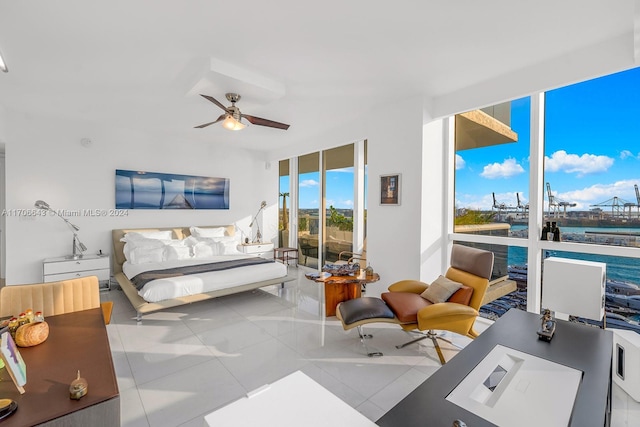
<point>173,287</point>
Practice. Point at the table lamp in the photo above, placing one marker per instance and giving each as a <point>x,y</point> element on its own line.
<point>78,246</point>
<point>258,238</point>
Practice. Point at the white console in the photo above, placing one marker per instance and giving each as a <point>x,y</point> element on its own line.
<point>626,361</point>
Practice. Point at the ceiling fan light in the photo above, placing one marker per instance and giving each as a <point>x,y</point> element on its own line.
<point>231,123</point>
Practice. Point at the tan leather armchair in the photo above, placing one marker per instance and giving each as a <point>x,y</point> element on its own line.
<point>469,266</point>
<point>54,298</point>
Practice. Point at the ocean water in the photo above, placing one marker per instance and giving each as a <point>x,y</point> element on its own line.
<point>618,268</point>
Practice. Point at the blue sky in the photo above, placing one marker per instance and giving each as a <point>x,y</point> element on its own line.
<point>339,189</point>
<point>592,148</point>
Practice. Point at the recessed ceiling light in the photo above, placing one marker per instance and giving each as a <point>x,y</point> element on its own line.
<point>3,65</point>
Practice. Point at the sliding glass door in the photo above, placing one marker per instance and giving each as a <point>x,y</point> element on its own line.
<point>309,195</point>
<point>338,196</point>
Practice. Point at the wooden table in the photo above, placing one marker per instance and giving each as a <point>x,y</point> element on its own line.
<point>341,288</point>
<point>77,341</point>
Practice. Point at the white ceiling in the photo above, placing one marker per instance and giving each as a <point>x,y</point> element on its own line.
<point>141,63</point>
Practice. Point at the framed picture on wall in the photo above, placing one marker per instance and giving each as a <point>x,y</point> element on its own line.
<point>390,189</point>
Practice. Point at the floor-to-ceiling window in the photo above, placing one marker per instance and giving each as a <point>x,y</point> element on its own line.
<point>584,160</point>
<point>322,195</point>
<point>284,196</point>
<point>492,189</point>
<point>591,175</point>
<point>338,189</point>
<point>309,195</point>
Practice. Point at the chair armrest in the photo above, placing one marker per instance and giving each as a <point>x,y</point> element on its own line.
<point>445,312</point>
<point>413,286</point>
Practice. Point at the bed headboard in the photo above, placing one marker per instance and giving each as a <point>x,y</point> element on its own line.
<point>178,233</point>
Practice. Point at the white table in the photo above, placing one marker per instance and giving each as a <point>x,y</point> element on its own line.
<point>261,249</point>
<point>295,400</point>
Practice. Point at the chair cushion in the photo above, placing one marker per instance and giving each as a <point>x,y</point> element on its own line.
<point>462,295</point>
<point>358,309</point>
<point>405,305</point>
<point>472,260</point>
<point>441,290</point>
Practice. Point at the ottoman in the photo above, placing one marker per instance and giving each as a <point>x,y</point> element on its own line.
<point>357,312</point>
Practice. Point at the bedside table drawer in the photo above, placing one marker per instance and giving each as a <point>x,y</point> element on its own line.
<point>76,265</point>
<point>256,249</point>
<point>103,274</point>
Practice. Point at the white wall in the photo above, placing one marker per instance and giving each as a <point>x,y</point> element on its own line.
<point>45,160</point>
<point>2,192</point>
<point>433,254</point>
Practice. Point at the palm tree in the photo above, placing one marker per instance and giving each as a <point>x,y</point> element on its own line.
<point>285,215</point>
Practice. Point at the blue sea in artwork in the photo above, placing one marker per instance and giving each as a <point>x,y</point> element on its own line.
<point>152,190</point>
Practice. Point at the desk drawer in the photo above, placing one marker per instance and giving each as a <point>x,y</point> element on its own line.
<point>75,265</point>
<point>102,274</point>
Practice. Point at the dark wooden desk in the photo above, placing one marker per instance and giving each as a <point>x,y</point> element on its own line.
<point>341,288</point>
<point>77,341</point>
<point>578,346</point>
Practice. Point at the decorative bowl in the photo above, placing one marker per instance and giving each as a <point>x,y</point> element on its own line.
<point>32,334</point>
<point>342,269</point>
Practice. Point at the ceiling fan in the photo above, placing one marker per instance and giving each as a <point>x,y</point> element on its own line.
<point>232,117</point>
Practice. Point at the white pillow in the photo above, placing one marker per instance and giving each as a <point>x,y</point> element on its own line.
<point>139,235</point>
<point>206,250</point>
<point>177,251</point>
<point>141,243</point>
<point>441,290</point>
<point>146,255</point>
<point>229,245</point>
<point>208,232</point>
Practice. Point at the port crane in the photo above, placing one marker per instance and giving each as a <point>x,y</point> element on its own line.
<point>524,208</point>
<point>617,206</point>
<point>502,208</point>
<point>555,204</point>
<point>636,205</point>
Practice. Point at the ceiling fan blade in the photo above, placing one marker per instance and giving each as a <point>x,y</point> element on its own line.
<point>215,101</point>
<point>264,122</point>
<point>222,116</point>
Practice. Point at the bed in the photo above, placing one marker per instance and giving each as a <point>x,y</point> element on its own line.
<point>227,283</point>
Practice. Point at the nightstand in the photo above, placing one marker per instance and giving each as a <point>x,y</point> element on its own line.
<point>260,249</point>
<point>64,268</point>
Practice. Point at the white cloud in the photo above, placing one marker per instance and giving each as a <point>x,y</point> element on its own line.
<point>599,193</point>
<point>560,161</point>
<point>626,153</point>
<point>485,201</point>
<point>309,183</point>
<point>460,163</point>
<point>506,169</point>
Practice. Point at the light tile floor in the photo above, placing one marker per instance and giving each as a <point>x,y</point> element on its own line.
<point>180,364</point>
